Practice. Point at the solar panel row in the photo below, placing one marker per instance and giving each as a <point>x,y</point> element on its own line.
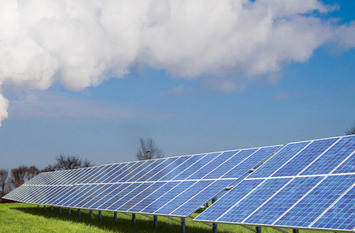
<point>229,164</point>
<point>305,185</point>
<point>175,186</point>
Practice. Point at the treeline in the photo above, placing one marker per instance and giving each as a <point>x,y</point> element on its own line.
<point>14,178</point>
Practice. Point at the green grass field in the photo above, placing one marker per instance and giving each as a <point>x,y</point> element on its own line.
<point>19,217</point>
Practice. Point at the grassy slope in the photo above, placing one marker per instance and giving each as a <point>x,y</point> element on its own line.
<point>28,218</point>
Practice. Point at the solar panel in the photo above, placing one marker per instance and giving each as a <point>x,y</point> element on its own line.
<point>306,184</point>
<point>175,186</point>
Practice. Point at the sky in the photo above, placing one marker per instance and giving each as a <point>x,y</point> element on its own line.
<point>89,78</point>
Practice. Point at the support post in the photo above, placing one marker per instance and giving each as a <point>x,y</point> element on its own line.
<point>134,218</point>
<point>156,221</point>
<point>79,212</point>
<point>214,228</point>
<point>183,225</point>
<point>44,207</point>
<point>69,211</point>
<point>90,214</point>
<point>60,210</point>
<point>295,231</point>
<point>52,208</point>
<point>38,206</point>
<point>115,216</point>
<point>258,229</point>
<point>100,214</point>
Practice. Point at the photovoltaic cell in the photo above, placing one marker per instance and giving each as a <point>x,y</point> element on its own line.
<point>166,197</point>
<point>212,165</point>
<point>138,188</point>
<point>166,170</point>
<point>334,219</point>
<point>282,201</point>
<point>195,202</point>
<point>163,187</point>
<point>253,201</point>
<point>273,164</point>
<point>228,201</point>
<point>183,196</point>
<point>139,197</point>
<point>306,211</point>
<point>304,158</point>
<point>157,169</point>
<point>230,164</point>
<point>332,158</point>
<point>348,165</point>
<point>196,166</point>
<point>182,167</point>
<point>253,160</point>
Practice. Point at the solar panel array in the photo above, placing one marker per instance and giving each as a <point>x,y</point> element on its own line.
<point>175,186</point>
<point>308,184</point>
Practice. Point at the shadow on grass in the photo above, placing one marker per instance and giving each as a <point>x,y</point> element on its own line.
<point>124,223</point>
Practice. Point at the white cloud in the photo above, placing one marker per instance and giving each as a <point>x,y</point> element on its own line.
<point>179,90</point>
<point>80,43</point>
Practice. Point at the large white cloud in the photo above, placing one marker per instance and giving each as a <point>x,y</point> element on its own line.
<point>80,43</point>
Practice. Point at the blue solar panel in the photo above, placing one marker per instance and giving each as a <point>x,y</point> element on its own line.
<point>103,197</point>
<point>305,157</point>
<point>114,196</point>
<point>139,197</point>
<point>79,195</point>
<point>212,165</point>
<point>334,219</point>
<point>305,185</point>
<point>332,158</point>
<point>166,170</point>
<point>182,196</point>
<point>114,169</point>
<point>306,211</point>
<point>173,186</point>
<point>136,189</point>
<point>159,168</point>
<point>196,166</point>
<point>271,210</point>
<point>253,201</point>
<point>250,162</point>
<point>195,202</point>
<point>235,160</point>
<point>81,200</point>
<point>233,197</point>
<point>348,165</point>
<point>144,169</point>
<point>182,167</point>
<point>273,164</point>
<point>167,196</point>
<point>126,170</point>
<point>154,195</point>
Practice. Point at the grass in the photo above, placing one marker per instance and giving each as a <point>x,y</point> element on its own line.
<point>19,217</point>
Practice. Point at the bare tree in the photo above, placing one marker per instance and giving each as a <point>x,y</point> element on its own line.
<point>32,172</point>
<point>22,174</point>
<point>18,176</point>
<point>148,150</point>
<point>65,162</point>
<point>351,131</point>
<point>3,178</point>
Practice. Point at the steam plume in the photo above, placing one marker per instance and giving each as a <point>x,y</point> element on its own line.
<point>80,43</point>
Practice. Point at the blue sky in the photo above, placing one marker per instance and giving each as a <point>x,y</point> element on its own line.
<point>187,111</point>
